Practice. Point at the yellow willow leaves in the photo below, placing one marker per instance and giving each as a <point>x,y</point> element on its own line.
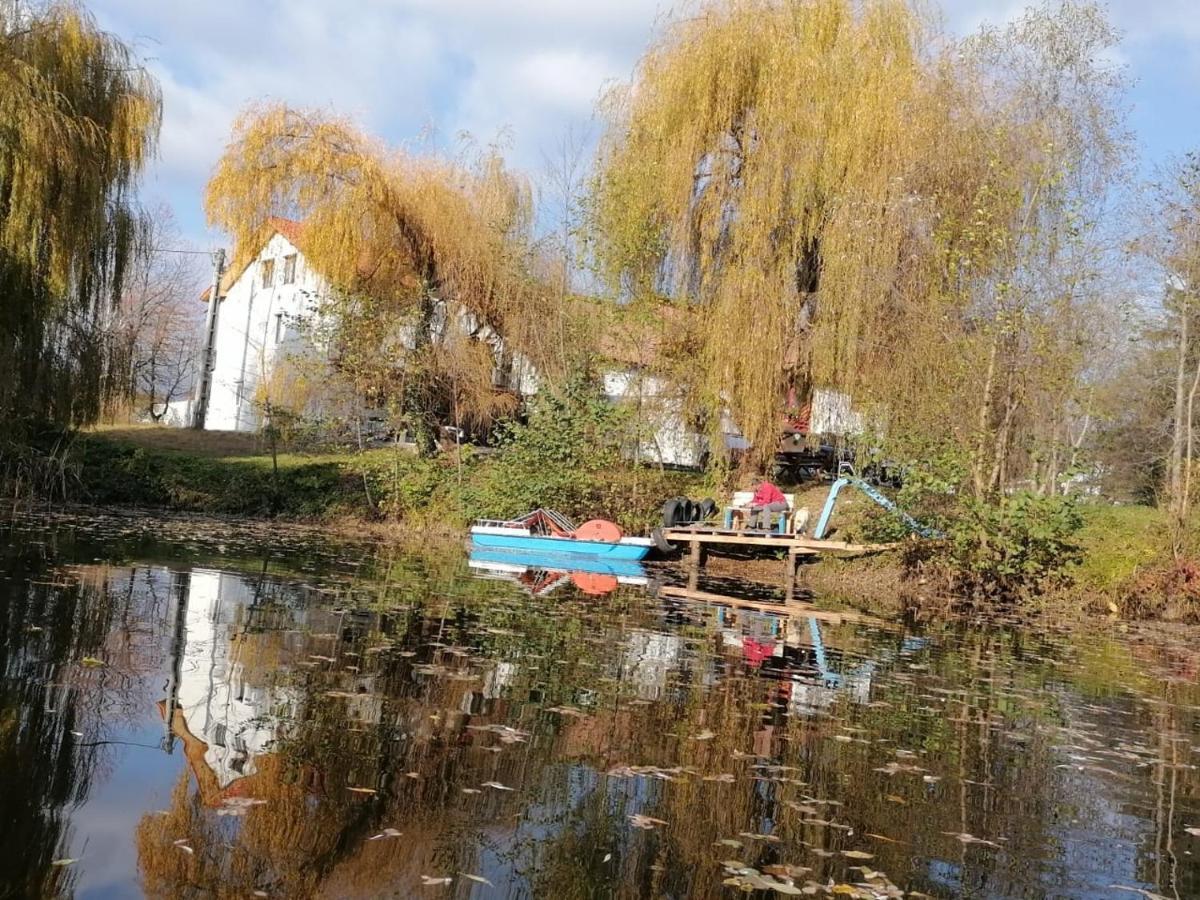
<point>758,138</point>
<point>395,227</point>
<point>80,118</point>
<point>77,111</point>
<point>844,197</point>
<point>410,243</point>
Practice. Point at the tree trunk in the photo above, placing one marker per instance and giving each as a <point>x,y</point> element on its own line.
<point>1186,499</point>
<point>1175,470</point>
<point>985,414</point>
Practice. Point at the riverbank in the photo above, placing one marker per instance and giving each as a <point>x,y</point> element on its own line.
<point>1125,569</point>
<point>379,489</point>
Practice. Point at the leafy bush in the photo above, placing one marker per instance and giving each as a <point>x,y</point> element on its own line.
<point>554,457</point>
<point>1010,548</point>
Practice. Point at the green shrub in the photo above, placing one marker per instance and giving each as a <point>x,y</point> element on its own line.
<point>1010,548</point>
<point>554,458</point>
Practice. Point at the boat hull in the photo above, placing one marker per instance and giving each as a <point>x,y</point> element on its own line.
<point>559,546</point>
<point>625,570</point>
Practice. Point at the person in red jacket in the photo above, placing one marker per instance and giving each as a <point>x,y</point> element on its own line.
<point>768,501</point>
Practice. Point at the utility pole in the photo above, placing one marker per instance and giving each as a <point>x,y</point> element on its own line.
<point>204,383</point>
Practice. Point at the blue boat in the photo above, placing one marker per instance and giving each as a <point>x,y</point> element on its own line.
<point>505,561</point>
<point>546,532</point>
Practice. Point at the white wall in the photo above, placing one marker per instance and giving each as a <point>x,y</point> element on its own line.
<point>247,344</point>
<point>668,439</point>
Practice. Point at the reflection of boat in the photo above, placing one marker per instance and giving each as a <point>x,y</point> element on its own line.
<point>540,573</point>
<point>547,532</point>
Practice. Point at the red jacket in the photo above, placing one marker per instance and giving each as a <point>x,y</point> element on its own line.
<point>767,493</point>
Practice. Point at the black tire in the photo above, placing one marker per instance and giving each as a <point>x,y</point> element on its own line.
<point>673,511</point>
<point>708,510</point>
<point>665,547</point>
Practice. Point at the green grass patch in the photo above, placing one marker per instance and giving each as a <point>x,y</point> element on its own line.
<point>1118,541</point>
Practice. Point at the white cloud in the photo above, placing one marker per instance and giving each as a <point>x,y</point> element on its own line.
<point>534,67</point>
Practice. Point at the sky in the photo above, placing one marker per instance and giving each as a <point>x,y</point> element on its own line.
<point>523,73</point>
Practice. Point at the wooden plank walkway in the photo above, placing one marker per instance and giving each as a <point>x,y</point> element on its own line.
<point>700,539</point>
<point>768,540</point>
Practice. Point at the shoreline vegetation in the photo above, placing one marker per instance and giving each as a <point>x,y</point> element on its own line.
<point>928,237</point>
<point>1123,568</point>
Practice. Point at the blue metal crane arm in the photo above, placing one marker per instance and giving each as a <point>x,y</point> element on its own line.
<point>877,496</point>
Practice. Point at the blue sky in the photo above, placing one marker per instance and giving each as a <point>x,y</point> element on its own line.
<point>522,71</point>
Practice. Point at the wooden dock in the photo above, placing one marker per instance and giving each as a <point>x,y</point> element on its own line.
<point>700,539</point>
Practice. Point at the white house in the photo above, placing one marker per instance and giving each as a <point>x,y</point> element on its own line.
<point>265,301</point>
<point>262,303</point>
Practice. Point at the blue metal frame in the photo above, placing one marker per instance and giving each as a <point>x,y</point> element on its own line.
<point>827,511</point>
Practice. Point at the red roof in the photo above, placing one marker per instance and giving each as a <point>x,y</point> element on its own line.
<point>289,228</point>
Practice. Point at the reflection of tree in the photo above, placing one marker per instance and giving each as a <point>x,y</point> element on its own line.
<point>51,718</point>
<point>423,688</point>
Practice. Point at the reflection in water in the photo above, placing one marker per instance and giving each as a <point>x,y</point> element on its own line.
<point>378,733</point>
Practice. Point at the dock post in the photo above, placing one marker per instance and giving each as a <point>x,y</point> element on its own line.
<point>789,578</point>
<point>695,564</point>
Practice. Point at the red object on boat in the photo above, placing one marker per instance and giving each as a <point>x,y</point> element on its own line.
<point>599,530</point>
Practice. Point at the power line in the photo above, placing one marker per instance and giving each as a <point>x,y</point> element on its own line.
<point>188,252</point>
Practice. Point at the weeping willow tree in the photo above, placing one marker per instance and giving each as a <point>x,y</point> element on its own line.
<point>431,259</point>
<point>78,120</point>
<point>843,197</point>
<point>760,169</point>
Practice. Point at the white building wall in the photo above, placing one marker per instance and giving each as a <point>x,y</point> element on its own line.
<point>667,438</point>
<point>256,323</point>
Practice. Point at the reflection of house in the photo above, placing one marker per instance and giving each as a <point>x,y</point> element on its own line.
<point>236,719</point>
<point>648,658</point>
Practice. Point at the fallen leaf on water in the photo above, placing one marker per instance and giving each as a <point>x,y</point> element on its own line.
<point>476,878</point>
<point>857,854</point>
<point>431,881</point>
<point>646,822</point>
<point>497,786</point>
<point>967,838</point>
<point>362,790</point>
<point>472,791</point>
<point>607,857</point>
<point>64,862</point>
<point>91,662</point>
<point>883,837</point>
<point>786,871</point>
<point>704,735</point>
<point>1193,831</point>
<point>386,833</point>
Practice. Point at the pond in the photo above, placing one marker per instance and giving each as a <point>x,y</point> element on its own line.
<point>198,709</point>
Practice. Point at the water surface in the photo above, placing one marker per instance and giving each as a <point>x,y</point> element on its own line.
<point>192,709</point>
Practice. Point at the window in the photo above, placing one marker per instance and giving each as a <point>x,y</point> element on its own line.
<point>279,323</point>
<point>289,269</point>
<point>268,272</point>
